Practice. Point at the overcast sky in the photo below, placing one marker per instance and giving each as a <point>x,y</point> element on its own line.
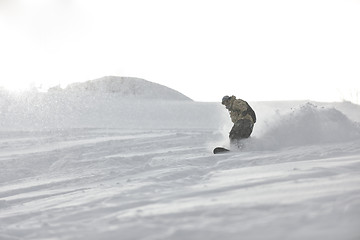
<point>256,50</point>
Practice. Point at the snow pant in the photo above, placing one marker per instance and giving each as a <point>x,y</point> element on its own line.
<point>241,129</point>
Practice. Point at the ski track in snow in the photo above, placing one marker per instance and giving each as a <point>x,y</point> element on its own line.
<point>166,184</point>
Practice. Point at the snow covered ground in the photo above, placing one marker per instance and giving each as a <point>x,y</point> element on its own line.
<point>109,168</point>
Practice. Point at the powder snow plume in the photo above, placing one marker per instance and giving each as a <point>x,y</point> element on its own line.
<point>306,125</point>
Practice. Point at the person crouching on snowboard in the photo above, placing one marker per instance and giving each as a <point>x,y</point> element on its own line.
<point>243,117</point>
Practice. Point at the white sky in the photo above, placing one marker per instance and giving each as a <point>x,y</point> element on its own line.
<point>256,50</point>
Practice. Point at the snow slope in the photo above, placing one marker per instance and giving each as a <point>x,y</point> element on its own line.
<point>126,87</point>
<point>107,168</point>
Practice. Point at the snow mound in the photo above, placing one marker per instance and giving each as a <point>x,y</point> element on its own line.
<point>308,125</point>
<point>124,86</point>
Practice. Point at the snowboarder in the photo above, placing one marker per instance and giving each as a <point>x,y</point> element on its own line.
<point>243,117</point>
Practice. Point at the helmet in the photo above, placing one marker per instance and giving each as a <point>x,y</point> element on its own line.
<point>224,99</point>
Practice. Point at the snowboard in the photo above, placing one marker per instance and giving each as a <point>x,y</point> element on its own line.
<point>218,150</point>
